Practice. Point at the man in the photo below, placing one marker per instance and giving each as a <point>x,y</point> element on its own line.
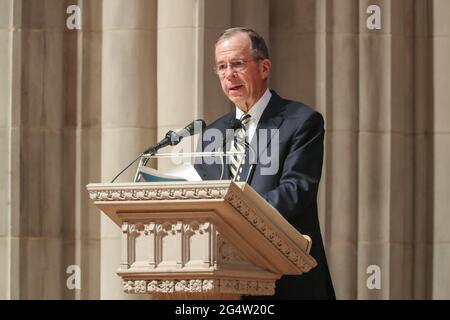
<point>243,67</point>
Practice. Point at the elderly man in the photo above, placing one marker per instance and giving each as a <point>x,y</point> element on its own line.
<point>243,68</point>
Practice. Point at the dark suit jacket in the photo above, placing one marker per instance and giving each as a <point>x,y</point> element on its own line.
<point>292,190</point>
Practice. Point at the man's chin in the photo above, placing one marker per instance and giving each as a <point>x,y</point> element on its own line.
<point>236,100</point>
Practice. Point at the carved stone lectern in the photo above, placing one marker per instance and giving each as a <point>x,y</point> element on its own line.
<point>200,240</point>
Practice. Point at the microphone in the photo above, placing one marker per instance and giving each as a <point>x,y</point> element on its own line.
<point>174,138</point>
<point>233,125</point>
<point>171,138</point>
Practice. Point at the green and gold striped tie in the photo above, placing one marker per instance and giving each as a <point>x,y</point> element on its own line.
<point>238,145</point>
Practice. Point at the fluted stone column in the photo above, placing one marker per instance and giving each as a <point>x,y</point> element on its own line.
<point>253,14</point>
<point>216,18</point>
<point>34,179</point>
<point>385,151</point>
<point>295,28</point>
<point>440,98</point>
<point>128,110</point>
<point>9,154</point>
<point>423,160</point>
<point>180,58</point>
<point>339,184</point>
<point>180,71</point>
<point>84,148</point>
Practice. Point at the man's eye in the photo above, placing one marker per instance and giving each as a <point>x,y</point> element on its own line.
<point>221,67</point>
<point>237,64</point>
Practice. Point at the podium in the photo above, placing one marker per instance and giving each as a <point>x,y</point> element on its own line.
<point>200,240</point>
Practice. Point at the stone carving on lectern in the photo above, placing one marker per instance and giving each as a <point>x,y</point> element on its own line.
<point>231,286</point>
<point>151,237</point>
<point>154,237</point>
<point>158,194</point>
<point>246,211</point>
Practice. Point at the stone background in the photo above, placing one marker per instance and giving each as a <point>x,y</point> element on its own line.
<point>77,106</point>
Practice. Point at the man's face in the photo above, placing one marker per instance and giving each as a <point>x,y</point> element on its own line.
<point>243,85</point>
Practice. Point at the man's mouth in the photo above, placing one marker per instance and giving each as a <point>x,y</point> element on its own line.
<point>236,87</point>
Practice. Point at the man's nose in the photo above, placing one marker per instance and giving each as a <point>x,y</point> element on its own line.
<point>230,72</point>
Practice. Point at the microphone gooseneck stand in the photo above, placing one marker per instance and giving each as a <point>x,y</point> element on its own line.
<point>171,138</point>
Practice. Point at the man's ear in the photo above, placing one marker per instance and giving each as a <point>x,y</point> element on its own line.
<point>264,68</point>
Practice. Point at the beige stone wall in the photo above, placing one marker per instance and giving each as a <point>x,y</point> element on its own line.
<point>77,105</point>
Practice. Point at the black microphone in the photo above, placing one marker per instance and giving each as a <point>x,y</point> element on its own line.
<point>173,138</point>
<point>233,125</point>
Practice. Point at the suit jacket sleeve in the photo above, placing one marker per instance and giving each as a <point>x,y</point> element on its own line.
<point>301,171</point>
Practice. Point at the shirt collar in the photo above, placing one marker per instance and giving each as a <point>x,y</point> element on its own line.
<point>258,108</point>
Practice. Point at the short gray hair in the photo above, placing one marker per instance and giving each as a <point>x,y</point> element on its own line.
<point>258,45</point>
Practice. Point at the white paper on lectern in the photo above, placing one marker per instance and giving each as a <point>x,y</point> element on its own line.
<point>185,171</point>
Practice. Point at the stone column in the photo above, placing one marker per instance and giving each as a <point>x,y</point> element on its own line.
<point>385,151</point>
<point>440,141</point>
<point>339,187</point>
<point>128,109</point>
<point>8,168</point>
<point>423,159</point>
<point>180,59</point>
<point>84,148</point>
<point>253,14</point>
<point>180,66</point>
<point>294,26</point>
<point>216,18</point>
<point>34,129</point>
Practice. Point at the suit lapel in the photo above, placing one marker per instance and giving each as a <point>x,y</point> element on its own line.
<point>271,118</point>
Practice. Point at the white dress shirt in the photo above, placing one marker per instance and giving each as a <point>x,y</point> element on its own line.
<point>255,112</point>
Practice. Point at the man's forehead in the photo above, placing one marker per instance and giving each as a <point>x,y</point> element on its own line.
<point>237,44</point>
<point>239,37</point>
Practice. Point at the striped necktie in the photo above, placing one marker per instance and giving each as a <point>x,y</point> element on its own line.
<point>239,145</point>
